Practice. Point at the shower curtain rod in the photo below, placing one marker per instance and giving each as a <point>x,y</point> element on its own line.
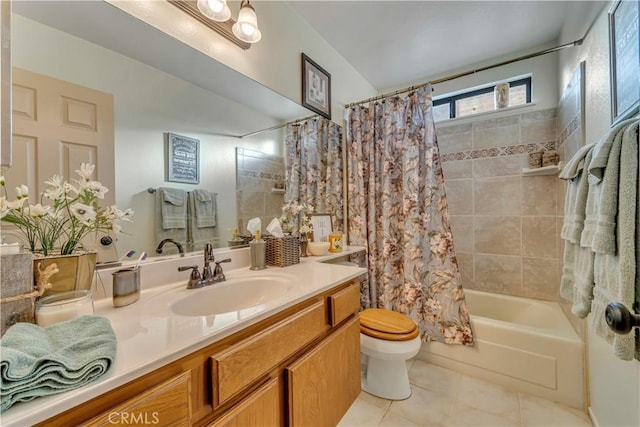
<point>279,126</point>
<point>467,73</point>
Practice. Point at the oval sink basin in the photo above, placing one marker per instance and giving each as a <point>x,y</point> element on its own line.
<point>232,296</point>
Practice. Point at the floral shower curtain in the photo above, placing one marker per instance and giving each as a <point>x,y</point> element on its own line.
<point>398,210</point>
<point>314,167</point>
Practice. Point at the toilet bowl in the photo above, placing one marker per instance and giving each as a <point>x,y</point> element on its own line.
<point>387,340</point>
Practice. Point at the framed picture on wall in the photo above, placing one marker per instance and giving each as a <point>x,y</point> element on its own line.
<point>322,227</point>
<point>623,54</point>
<point>316,87</point>
<point>182,159</point>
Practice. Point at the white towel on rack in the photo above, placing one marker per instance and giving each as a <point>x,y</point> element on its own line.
<point>575,173</point>
<point>577,282</point>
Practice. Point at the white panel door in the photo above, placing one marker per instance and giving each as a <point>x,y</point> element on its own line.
<point>56,126</point>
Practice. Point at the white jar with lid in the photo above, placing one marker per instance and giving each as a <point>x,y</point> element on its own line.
<point>63,306</point>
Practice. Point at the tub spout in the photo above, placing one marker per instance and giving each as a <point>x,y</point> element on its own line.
<point>177,244</point>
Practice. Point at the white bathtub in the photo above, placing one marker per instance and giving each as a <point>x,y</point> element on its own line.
<point>523,344</point>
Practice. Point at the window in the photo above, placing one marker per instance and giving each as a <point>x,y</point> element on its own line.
<point>479,100</point>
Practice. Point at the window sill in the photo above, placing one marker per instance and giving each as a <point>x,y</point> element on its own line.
<point>499,112</point>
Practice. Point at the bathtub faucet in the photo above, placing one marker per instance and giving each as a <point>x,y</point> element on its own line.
<point>178,245</point>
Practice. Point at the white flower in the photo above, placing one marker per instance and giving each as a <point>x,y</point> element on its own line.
<point>96,188</point>
<point>72,214</point>
<point>304,229</point>
<point>38,210</point>
<point>86,170</point>
<point>16,204</point>
<point>57,188</point>
<point>22,192</point>
<point>84,213</point>
<point>70,189</point>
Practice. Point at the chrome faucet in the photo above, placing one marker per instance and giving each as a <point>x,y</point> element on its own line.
<point>207,274</point>
<point>162,243</point>
<point>208,277</point>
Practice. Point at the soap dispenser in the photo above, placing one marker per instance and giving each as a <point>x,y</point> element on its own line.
<point>235,240</point>
<point>257,248</point>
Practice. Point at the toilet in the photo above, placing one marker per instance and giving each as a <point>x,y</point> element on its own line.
<point>387,340</point>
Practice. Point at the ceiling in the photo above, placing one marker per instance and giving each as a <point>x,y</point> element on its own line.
<point>393,43</point>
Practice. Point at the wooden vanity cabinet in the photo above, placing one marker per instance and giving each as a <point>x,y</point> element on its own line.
<point>299,367</point>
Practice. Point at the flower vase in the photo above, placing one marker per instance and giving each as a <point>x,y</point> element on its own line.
<point>75,271</point>
<point>304,241</point>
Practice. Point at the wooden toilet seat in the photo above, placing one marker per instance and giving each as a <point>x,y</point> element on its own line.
<point>387,325</point>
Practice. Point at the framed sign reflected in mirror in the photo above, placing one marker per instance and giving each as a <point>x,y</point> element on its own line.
<point>322,227</point>
<point>624,52</point>
<point>316,87</point>
<point>183,157</point>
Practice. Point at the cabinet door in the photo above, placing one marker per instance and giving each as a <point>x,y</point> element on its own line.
<point>246,362</point>
<point>167,404</point>
<point>324,383</point>
<point>262,408</point>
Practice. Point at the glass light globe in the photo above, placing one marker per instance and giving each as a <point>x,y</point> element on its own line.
<point>216,10</point>
<point>246,29</point>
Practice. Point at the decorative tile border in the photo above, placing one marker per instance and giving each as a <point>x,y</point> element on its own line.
<point>499,151</point>
<point>262,175</point>
<point>573,125</point>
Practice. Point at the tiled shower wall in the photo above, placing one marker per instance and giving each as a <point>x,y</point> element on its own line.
<point>257,176</point>
<point>504,224</point>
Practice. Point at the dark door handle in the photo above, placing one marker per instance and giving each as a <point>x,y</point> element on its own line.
<point>620,319</point>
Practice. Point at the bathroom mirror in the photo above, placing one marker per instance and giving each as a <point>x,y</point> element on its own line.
<point>159,85</point>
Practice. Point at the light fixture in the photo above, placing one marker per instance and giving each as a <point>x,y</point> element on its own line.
<point>216,10</point>
<point>216,15</point>
<point>246,28</point>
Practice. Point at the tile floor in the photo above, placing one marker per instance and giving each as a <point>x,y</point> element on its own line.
<point>442,397</point>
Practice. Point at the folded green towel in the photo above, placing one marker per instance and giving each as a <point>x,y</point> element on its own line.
<point>37,361</point>
<point>204,208</point>
<point>173,207</point>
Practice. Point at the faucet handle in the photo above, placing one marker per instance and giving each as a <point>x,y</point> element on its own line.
<point>218,274</point>
<point>195,278</point>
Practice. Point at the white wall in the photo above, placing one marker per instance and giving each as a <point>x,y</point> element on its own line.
<point>147,104</point>
<point>614,384</point>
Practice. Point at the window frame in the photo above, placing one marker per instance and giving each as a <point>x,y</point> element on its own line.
<point>451,100</point>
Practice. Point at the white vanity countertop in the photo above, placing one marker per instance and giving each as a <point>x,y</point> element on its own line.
<point>150,335</point>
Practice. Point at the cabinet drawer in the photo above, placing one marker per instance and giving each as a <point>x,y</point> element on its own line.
<point>344,303</point>
<point>247,361</point>
<point>167,404</point>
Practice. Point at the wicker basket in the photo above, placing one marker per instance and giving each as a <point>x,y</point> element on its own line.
<point>282,251</point>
